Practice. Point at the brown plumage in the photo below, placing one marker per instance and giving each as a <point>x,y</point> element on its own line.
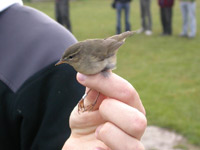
<point>93,56</point>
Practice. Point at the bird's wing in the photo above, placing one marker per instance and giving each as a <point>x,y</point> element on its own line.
<point>95,48</point>
<point>101,49</point>
<point>112,46</point>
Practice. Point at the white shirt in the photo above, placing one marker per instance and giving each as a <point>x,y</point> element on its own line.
<point>7,3</point>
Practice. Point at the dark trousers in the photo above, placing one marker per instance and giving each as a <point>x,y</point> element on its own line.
<point>166,20</point>
<point>146,14</point>
<point>119,7</point>
<point>62,13</point>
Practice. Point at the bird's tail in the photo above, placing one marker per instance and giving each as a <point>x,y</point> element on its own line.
<point>122,36</point>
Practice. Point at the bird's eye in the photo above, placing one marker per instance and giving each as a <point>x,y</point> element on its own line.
<point>70,57</point>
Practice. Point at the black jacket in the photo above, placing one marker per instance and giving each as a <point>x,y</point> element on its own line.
<point>36,98</point>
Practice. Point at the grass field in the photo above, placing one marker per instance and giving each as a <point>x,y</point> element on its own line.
<point>164,70</point>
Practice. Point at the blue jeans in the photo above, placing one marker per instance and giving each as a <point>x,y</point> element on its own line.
<point>126,7</point>
<point>189,19</point>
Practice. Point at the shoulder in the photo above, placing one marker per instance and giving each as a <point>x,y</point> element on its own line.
<point>29,42</point>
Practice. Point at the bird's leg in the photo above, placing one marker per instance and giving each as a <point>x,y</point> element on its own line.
<point>91,106</point>
<point>81,106</point>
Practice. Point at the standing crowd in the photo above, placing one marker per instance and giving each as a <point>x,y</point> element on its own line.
<point>188,10</point>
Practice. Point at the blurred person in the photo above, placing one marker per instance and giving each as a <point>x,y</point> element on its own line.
<point>63,13</point>
<point>188,9</point>
<point>166,14</point>
<point>122,5</point>
<point>146,19</point>
<point>37,98</point>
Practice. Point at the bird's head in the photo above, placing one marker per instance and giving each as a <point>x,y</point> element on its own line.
<point>71,56</point>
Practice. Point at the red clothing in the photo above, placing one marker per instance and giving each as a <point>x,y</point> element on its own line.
<point>166,3</point>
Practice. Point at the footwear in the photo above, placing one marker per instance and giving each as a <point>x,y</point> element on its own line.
<point>190,36</point>
<point>165,34</point>
<point>183,35</point>
<point>148,32</point>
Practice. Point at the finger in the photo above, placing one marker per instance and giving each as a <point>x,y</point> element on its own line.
<point>113,86</point>
<point>84,123</point>
<point>131,121</point>
<point>100,148</point>
<point>116,139</point>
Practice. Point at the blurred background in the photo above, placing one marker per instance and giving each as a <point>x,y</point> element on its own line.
<point>165,70</point>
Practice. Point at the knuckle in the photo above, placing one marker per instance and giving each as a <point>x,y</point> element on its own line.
<point>139,123</point>
<point>105,129</point>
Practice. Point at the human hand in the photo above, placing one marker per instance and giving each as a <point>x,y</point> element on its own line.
<point>117,121</point>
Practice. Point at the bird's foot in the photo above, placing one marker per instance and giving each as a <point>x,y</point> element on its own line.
<point>81,106</point>
<point>91,106</point>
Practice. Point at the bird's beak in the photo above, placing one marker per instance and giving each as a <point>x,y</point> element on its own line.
<point>60,62</point>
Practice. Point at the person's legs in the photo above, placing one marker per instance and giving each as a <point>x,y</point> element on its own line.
<point>169,20</point>
<point>148,17</point>
<point>184,10</point>
<point>118,11</point>
<point>127,12</point>
<point>148,14</point>
<point>58,13</point>
<point>142,11</point>
<point>192,19</point>
<point>162,18</point>
<point>65,15</point>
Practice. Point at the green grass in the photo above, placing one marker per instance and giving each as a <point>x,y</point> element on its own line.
<point>164,70</point>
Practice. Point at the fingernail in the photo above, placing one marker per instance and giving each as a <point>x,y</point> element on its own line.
<point>81,77</point>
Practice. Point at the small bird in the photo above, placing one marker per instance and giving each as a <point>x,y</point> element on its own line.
<point>93,56</point>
